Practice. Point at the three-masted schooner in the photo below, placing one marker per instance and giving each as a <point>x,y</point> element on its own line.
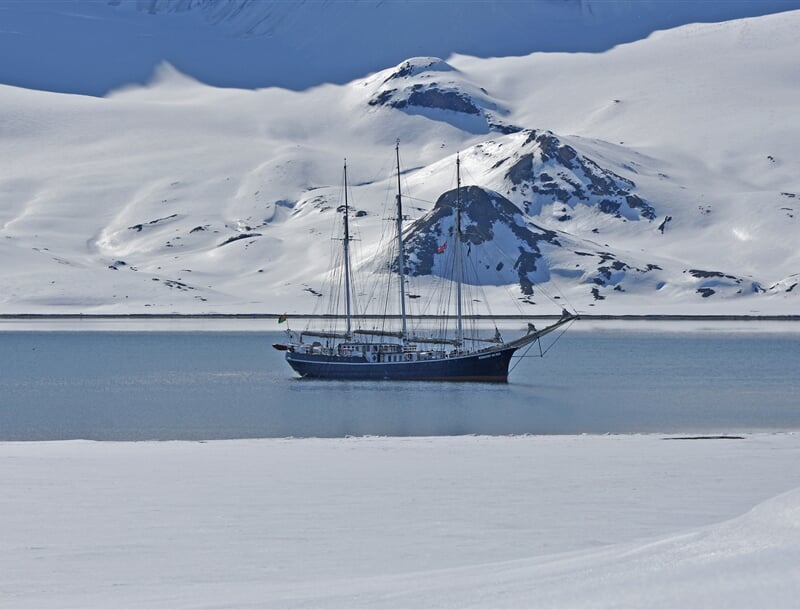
<point>370,354</point>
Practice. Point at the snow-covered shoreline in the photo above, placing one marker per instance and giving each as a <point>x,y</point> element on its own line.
<point>244,323</point>
<point>519,521</point>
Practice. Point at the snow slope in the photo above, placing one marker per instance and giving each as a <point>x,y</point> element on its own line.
<point>670,181</point>
<point>94,46</point>
<point>461,522</point>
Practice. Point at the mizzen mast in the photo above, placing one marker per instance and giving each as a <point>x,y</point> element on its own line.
<point>401,260</point>
<point>458,254</point>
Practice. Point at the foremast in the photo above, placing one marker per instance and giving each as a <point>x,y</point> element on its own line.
<point>346,247</point>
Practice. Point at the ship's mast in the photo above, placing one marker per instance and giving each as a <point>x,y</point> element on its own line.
<point>401,260</point>
<point>346,243</point>
<point>459,278</point>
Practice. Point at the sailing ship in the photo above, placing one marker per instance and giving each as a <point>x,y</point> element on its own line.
<point>359,353</point>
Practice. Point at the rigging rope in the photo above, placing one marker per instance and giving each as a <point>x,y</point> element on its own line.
<point>542,353</point>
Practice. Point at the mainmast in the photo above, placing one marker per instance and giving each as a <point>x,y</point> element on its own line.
<point>346,242</point>
<point>401,260</point>
<point>459,272</point>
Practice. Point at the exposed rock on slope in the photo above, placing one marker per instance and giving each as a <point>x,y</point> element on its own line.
<point>787,284</point>
<point>535,168</point>
<point>713,281</point>
<point>502,246</point>
<point>505,246</point>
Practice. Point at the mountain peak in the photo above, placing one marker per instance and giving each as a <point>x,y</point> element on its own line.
<point>537,168</point>
<point>433,88</point>
<point>419,65</point>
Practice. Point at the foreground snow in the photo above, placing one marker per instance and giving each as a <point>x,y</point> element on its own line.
<point>566,521</point>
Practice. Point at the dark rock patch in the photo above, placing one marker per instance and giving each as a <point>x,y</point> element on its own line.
<point>596,294</point>
<point>382,98</point>
<point>442,99</point>
<point>522,170</point>
<point>178,285</point>
<point>504,128</point>
<point>700,273</point>
<point>238,237</point>
<point>140,226</point>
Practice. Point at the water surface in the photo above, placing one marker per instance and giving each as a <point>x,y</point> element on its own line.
<point>109,385</point>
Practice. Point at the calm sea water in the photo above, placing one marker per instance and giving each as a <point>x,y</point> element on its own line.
<point>205,385</point>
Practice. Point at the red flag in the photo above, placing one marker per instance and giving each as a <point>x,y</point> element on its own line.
<point>441,248</point>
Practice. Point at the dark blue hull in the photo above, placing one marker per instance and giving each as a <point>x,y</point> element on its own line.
<point>484,366</point>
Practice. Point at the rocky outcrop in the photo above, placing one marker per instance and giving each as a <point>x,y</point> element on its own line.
<point>497,240</point>
<point>543,170</point>
<point>430,86</point>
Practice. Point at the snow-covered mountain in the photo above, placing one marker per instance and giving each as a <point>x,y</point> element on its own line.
<point>656,176</point>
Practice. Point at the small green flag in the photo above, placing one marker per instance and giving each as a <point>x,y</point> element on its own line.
<point>282,318</point>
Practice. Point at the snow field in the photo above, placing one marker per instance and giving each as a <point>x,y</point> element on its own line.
<point>563,521</point>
